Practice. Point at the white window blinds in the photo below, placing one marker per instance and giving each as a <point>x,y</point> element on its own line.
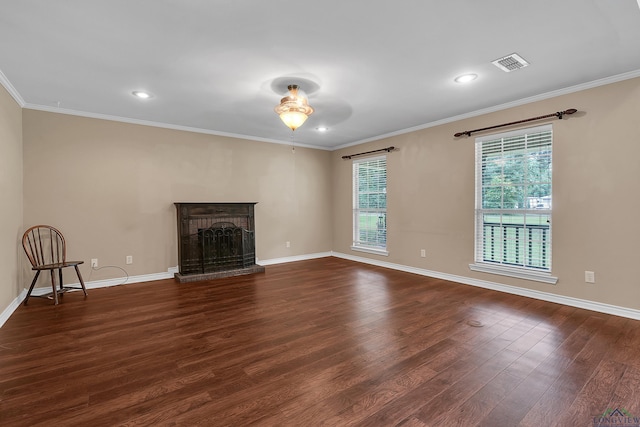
<point>370,203</point>
<point>514,199</point>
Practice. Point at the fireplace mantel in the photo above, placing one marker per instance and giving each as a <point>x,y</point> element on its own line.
<point>215,240</point>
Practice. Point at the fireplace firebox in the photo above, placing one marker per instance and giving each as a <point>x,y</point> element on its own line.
<point>215,240</point>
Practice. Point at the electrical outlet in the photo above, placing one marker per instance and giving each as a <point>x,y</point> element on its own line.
<point>94,262</point>
<point>288,244</point>
<point>129,259</point>
<point>423,253</point>
<point>590,277</point>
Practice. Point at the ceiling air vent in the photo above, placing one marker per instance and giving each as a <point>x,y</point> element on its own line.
<point>510,62</point>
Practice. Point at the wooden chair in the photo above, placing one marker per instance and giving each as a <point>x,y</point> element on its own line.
<point>46,249</point>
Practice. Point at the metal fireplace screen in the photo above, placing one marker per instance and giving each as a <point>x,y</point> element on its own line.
<point>215,237</point>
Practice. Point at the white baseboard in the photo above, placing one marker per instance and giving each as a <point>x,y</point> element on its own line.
<point>274,261</point>
<point>544,296</point>
<point>7,312</point>
<point>94,284</point>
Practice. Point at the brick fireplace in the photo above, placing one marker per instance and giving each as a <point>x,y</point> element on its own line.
<point>215,240</point>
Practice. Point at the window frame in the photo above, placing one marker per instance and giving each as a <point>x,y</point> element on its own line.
<point>503,267</point>
<point>356,243</point>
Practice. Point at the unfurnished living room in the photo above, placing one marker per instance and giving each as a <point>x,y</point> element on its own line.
<point>331,213</point>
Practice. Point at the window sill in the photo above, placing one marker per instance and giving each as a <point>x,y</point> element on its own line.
<point>519,273</point>
<point>373,251</point>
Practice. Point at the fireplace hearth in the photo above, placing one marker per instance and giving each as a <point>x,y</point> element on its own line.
<point>215,240</point>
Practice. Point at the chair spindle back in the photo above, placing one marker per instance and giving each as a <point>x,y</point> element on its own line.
<point>44,245</point>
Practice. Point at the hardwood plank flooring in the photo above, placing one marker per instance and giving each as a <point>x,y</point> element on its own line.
<point>323,342</point>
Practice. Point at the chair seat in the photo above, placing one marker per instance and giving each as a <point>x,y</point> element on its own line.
<point>57,265</point>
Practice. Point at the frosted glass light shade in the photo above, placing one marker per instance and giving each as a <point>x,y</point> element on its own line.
<point>293,119</point>
<point>294,108</point>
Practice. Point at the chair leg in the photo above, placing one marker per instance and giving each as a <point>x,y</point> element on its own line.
<point>81,281</point>
<point>55,291</point>
<point>33,283</point>
<point>60,278</point>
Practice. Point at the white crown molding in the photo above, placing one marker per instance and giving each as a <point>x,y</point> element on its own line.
<point>517,103</point>
<point>70,112</point>
<point>4,81</point>
<point>576,88</point>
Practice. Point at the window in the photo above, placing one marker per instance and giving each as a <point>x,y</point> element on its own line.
<point>370,205</point>
<point>513,204</point>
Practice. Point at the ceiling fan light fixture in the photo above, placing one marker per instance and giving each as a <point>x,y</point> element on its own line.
<point>294,108</point>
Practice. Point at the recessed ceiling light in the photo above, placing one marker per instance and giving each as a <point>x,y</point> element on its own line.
<point>322,129</point>
<point>466,78</point>
<point>141,94</point>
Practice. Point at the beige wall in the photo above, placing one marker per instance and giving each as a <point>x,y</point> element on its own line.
<point>596,173</point>
<point>110,188</point>
<point>11,191</point>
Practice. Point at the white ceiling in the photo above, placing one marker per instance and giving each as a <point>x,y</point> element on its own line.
<point>370,67</point>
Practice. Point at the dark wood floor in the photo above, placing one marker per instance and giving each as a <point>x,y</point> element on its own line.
<point>323,342</point>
